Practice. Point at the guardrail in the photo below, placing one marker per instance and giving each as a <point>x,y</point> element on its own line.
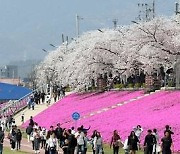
<point>13,107</point>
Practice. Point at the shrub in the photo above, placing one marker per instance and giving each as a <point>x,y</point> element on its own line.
<point>137,85</point>
<point>119,86</point>
<point>130,85</point>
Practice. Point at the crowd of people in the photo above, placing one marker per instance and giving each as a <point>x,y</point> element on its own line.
<point>73,141</point>
<point>39,97</point>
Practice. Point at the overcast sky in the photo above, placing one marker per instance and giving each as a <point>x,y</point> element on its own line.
<point>28,26</point>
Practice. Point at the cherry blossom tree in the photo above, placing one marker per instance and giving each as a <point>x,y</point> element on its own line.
<point>146,45</point>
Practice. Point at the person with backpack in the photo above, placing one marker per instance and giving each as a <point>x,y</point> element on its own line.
<point>1,140</point>
<point>18,138</point>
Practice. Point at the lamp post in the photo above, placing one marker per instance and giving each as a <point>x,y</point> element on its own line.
<point>78,18</point>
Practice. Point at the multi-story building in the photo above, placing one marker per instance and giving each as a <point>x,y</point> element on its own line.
<point>9,71</point>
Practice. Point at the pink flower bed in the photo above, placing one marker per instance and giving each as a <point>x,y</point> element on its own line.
<point>82,103</point>
<point>154,111</point>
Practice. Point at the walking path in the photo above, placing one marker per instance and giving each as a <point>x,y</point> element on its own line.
<point>25,146</point>
<point>29,112</point>
<point>37,109</point>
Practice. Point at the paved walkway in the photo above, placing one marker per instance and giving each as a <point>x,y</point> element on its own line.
<point>29,112</point>
<point>25,146</point>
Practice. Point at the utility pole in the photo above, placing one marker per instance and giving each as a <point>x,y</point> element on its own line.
<point>62,38</point>
<point>177,8</point>
<point>115,23</point>
<point>78,18</point>
<point>153,9</point>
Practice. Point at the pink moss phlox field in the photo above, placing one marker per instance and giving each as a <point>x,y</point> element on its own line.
<point>153,111</point>
<point>82,103</point>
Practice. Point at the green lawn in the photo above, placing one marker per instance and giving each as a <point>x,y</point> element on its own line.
<point>9,151</point>
<point>107,150</point>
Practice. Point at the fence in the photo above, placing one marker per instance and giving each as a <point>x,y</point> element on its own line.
<point>12,107</point>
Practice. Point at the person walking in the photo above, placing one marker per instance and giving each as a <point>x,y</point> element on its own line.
<point>18,138</point>
<point>149,142</point>
<point>80,140</point>
<point>167,143</point>
<point>22,118</point>
<point>59,133</point>
<point>93,140</point>
<point>52,144</point>
<point>156,147</point>
<point>115,142</point>
<point>29,130</point>
<point>72,142</point>
<point>43,135</point>
<point>37,140</point>
<point>32,105</point>
<point>133,142</point>
<point>99,144</point>
<point>1,140</point>
<point>42,95</point>
<point>12,137</point>
<point>31,121</point>
<point>31,99</point>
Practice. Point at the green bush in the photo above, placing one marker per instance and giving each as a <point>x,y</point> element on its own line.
<point>130,85</point>
<point>119,86</point>
<point>92,88</point>
<point>68,89</point>
<point>170,84</point>
<point>143,85</point>
<point>137,85</point>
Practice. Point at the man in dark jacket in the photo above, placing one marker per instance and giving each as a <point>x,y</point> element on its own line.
<point>29,130</point>
<point>149,142</point>
<point>1,140</point>
<point>72,142</point>
<point>59,133</point>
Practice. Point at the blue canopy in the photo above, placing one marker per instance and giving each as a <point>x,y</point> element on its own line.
<point>12,92</point>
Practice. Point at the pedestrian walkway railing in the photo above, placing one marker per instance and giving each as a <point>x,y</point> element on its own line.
<point>12,107</point>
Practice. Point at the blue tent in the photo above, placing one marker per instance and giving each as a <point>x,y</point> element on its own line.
<point>12,92</point>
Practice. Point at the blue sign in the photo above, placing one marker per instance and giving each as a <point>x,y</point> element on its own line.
<point>76,116</point>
